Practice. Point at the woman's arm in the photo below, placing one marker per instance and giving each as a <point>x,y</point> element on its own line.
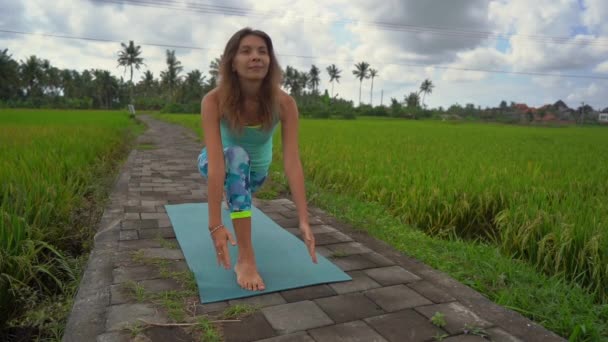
<point>291,156</point>
<point>215,154</point>
<point>293,169</point>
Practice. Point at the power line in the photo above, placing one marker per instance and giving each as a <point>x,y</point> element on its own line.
<point>320,58</point>
<point>435,30</point>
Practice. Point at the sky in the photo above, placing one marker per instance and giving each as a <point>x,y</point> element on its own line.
<point>474,51</point>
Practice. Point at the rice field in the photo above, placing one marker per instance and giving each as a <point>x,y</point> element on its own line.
<point>50,162</point>
<point>539,194</point>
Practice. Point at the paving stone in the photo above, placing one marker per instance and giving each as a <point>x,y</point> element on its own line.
<point>360,282</point>
<point>404,326</point>
<point>158,215</point>
<point>164,334</point>
<point>456,316</point>
<point>132,216</point>
<point>348,307</point>
<point>202,309</point>
<point>130,234</point>
<point>163,253</point>
<point>260,300</point>
<point>140,209</point>
<point>323,251</point>
<point>120,295</point>
<point>153,203</point>
<point>379,259</point>
<point>295,337</point>
<point>275,216</point>
<point>114,337</point>
<point>134,245</point>
<point>123,274</point>
<point>431,292</point>
<point>252,327</point>
<point>118,316</point>
<point>292,317</point>
<point>139,224</point>
<point>499,335</point>
<point>331,238</point>
<point>156,232</point>
<point>353,262</point>
<point>161,285</point>
<point>356,331</point>
<point>397,297</point>
<point>349,248</point>
<point>165,223</point>
<point>308,292</point>
<point>391,275</point>
<point>465,338</point>
<point>323,228</point>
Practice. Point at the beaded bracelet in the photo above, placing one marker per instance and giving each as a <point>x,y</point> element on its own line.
<point>212,230</point>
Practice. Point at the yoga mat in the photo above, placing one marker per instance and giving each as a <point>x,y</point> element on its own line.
<point>282,259</point>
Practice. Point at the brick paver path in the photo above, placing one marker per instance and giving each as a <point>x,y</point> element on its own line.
<point>391,297</point>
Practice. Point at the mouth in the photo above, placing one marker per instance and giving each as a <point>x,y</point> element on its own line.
<point>257,67</point>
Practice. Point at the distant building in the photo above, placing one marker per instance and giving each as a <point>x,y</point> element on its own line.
<point>603,118</point>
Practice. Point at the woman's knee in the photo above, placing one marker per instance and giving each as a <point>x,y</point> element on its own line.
<point>236,157</point>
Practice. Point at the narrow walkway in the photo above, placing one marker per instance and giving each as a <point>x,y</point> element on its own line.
<point>391,296</point>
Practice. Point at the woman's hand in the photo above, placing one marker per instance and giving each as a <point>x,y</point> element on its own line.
<point>309,240</point>
<point>220,240</point>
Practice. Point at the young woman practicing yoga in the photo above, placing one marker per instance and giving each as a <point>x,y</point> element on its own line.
<point>239,118</point>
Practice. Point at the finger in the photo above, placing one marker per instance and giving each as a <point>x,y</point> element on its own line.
<point>226,257</point>
<point>313,255</point>
<point>231,239</point>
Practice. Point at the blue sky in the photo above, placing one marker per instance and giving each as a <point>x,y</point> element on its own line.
<point>428,33</point>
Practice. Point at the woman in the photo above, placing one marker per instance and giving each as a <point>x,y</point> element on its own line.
<point>239,118</point>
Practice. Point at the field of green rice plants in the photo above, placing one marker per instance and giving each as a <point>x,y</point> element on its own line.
<point>51,163</point>
<point>540,194</point>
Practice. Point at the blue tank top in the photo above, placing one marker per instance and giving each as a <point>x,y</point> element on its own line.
<point>256,141</point>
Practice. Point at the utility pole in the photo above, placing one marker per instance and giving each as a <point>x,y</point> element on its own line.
<point>381,97</point>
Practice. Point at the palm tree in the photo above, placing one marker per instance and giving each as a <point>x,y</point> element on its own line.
<point>193,86</point>
<point>32,76</point>
<point>412,100</point>
<point>361,71</point>
<point>314,78</point>
<point>290,80</point>
<point>170,77</point>
<point>334,74</point>
<point>214,71</point>
<point>129,57</point>
<point>9,76</point>
<point>303,79</point>
<point>372,73</point>
<point>426,87</point>
<point>147,82</point>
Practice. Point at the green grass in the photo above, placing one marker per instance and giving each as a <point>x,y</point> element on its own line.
<point>56,168</point>
<point>517,213</point>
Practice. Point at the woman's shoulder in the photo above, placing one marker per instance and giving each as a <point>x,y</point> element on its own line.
<point>286,103</point>
<point>212,96</point>
<point>285,99</point>
<point>210,104</point>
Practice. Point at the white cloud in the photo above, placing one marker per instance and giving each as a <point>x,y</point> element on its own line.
<point>602,67</point>
<point>431,33</point>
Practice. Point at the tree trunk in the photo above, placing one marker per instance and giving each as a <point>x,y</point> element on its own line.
<point>371,93</point>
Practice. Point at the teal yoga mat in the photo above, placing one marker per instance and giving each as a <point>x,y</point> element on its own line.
<point>282,259</point>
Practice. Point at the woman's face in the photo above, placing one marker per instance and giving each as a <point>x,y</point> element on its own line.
<point>252,59</point>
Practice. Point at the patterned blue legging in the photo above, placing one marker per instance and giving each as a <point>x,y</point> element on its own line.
<point>240,182</point>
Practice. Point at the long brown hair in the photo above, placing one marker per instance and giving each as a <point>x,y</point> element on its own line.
<point>229,90</point>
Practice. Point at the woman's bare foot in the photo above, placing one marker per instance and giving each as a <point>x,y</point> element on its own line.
<point>247,276</point>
